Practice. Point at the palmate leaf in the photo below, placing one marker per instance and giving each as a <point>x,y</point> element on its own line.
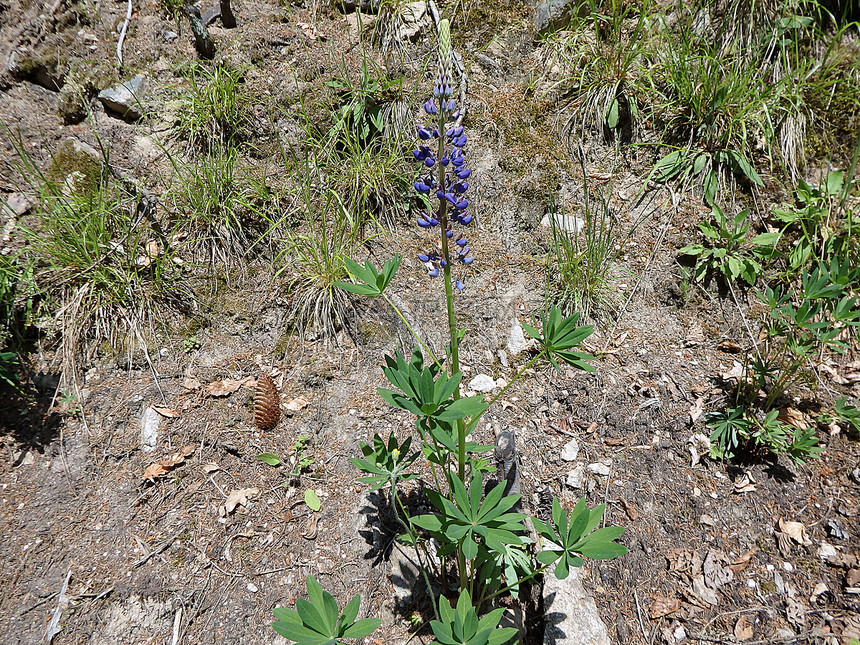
<point>558,337</point>
<point>372,282</point>
<point>315,621</point>
<point>460,625</point>
<point>574,536</point>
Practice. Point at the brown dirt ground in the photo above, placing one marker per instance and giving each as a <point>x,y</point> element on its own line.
<point>150,557</point>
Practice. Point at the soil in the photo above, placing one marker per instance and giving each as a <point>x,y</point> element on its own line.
<point>166,559</point>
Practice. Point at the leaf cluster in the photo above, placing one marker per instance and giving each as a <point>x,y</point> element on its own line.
<point>316,621</point>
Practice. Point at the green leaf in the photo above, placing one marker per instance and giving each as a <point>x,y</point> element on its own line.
<point>670,166</point>
<point>710,184</point>
<point>692,249</point>
<point>834,183</point>
<point>312,501</point>
<point>362,628</point>
<point>269,458</point>
<point>612,114</point>
<point>746,169</point>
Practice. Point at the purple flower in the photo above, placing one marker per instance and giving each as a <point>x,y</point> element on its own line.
<point>423,257</point>
<point>463,173</point>
<point>421,187</point>
<point>459,285</point>
<point>423,133</point>
<point>434,273</point>
<point>430,108</point>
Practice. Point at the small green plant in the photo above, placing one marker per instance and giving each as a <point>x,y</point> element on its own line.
<point>461,625</point>
<point>213,107</point>
<point>9,368</point>
<point>727,252</point>
<point>316,621</point>
<point>847,413</point>
<point>191,345</point>
<point>302,461</point>
<point>741,428</point>
<point>606,82</point>
<point>582,262</point>
<point>820,225</point>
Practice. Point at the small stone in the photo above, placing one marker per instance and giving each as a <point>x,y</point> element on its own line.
<point>149,429</point>
<point>482,383</point>
<point>827,551</point>
<point>168,36</point>
<point>126,98</point>
<point>568,223</point>
<point>16,204</point>
<point>570,450</point>
<point>516,340</point>
<point>575,478</point>
<point>252,587</point>
<point>599,469</point>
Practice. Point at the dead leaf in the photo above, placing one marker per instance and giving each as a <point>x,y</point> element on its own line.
<point>716,574</point>
<point>166,465</point>
<point>211,468</point>
<point>796,531</point>
<point>697,409</point>
<point>164,411</point>
<point>152,249</point>
<point>663,606</point>
<point>701,592</point>
<point>296,404</point>
<point>735,372</point>
<point>191,383</point>
<point>742,562</point>
<point>226,387</point>
<point>745,483</point>
<point>237,497</point>
<point>744,629</point>
<point>730,347</point>
<point>685,561</point>
<point>793,417</point>
<point>154,470</point>
<point>795,612</point>
<point>311,527</point>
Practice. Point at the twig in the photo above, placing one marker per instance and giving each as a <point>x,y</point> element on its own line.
<point>161,549</point>
<point>62,604</point>
<point>177,622</point>
<point>744,319</point>
<point>122,34</point>
<point>639,614</point>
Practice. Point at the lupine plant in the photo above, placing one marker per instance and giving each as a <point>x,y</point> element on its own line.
<point>482,538</point>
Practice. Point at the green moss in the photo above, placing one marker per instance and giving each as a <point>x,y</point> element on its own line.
<point>77,166</point>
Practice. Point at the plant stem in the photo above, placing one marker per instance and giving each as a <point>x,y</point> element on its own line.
<point>414,536</point>
<point>411,330</point>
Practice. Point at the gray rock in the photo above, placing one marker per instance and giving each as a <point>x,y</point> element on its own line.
<point>149,429</point>
<point>167,35</point>
<point>599,469</point>
<point>516,339</point>
<point>126,99</point>
<point>569,223</point>
<point>571,617</point>
<point>552,15</point>
<point>575,478</point>
<point>482,383</point>
<point>15,203</point>
<point>570,450</point>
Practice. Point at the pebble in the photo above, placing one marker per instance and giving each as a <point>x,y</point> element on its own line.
<point>599,469</point>
<point>252,587</point>
<point>516,339</point>
<point>575,478</point>
<point>570,450</point>
<point>482,383</point>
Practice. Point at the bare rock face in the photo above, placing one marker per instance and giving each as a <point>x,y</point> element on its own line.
<point>126,99</point>
<point>571,615</point>
<point>552,15</point>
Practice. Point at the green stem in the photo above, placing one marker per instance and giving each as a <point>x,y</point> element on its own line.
<point>412,331</point>
<point>485,598</point>
<point>517,376</point>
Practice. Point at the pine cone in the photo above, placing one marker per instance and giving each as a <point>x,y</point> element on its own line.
<point>267,404</point>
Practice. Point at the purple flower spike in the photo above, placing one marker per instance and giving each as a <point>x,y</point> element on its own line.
<point>423,258</point>
<point>421,187</point>
<point>459,285</point>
